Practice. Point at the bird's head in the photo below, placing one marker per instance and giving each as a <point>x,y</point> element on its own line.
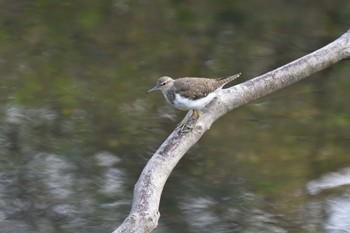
<point>163,84</point>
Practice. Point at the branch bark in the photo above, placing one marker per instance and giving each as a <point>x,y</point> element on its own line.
<point>144,213</point>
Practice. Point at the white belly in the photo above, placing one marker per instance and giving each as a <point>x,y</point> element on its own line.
<point>183,103</point>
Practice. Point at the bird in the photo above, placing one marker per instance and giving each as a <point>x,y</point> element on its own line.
<point>191,93</point>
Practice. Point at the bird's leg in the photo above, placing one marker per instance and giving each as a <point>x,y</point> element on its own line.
<point>197,115</point>
<point>183,124</point>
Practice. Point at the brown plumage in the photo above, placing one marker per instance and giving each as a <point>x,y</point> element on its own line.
<point>191,93</point>
<point>196,88</point>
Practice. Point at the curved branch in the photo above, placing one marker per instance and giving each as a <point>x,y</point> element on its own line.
<point>144,213</point>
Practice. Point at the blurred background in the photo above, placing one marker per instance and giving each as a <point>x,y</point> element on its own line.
<point>76,127</point>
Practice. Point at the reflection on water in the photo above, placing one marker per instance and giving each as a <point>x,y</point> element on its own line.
<point>40,190</point>
<point>76,127</point>
<point>208,215</point>
<point>338,211</point>
<point>201,216</point>
<point>329,181</point>
<point>55,173</point>
<point>337,207</point>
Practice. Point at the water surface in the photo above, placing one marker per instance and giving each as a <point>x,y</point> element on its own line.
<point>76,127</point>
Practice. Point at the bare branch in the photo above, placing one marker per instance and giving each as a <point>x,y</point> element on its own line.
<point>144,213</point>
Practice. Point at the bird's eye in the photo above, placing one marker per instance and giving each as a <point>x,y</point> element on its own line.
<point>163,84</point>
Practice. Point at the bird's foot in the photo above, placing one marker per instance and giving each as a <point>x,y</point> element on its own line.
<point>185,126</point>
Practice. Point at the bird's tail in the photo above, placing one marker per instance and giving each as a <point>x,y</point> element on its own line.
<point>228,79</point>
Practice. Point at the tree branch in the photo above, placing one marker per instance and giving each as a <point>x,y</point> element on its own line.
<point>144,213</point>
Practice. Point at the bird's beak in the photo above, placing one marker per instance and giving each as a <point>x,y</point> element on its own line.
<point>153,89</point>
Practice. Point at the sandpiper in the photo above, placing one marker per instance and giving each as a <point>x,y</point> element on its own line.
<point>191,93</point>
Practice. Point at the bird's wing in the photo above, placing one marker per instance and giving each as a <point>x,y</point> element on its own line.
<point>194,88</point>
